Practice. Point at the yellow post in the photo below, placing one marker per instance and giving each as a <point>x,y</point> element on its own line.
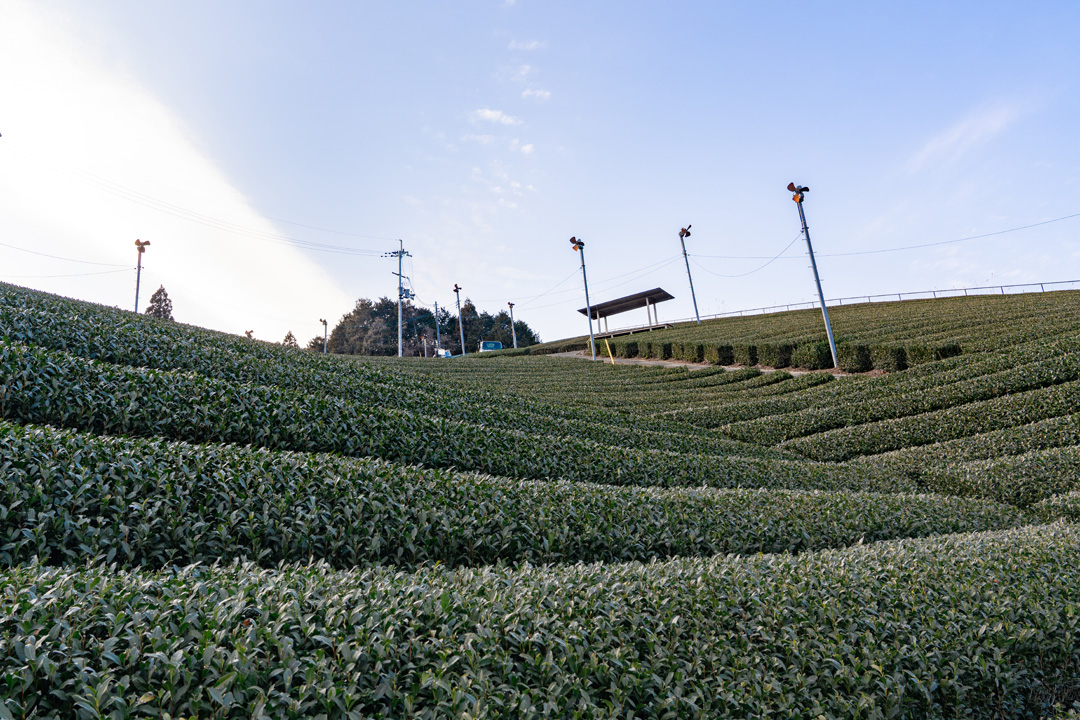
<point>609,351</point>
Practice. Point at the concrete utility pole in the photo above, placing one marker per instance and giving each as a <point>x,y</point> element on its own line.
<point>683,234</point>
<point>460,325</point>
<point>324,335</point>
<point>513,332</point>
<point>438,337</point>
<point>579,246</point>
<point>399,254</point>
<point>799,191</point>
<point>138,273</point>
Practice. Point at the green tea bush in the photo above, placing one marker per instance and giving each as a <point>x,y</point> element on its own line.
<point>888,358</point>
<point>775,355</point>
<point>901,395</point>
<point>1018,480</point>
<point>919,354</point>
<point>1059,507</point>
<point>812,356</point>
<point>745,355</point>
<point>69,497</point>
<point>56,389</point>
<point>871,438</point>
<point>978,626</point>
<point>854,358</point>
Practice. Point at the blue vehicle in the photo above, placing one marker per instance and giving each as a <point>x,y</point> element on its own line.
<point>486,345</point>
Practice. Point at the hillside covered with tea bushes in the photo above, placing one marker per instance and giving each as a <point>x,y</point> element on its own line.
<point>195,524</point>
<point>887,336</point>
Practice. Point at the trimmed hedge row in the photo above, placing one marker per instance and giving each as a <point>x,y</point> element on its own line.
<point>980,626</point>
<point>68,497</point>
<point>57,389</point>
<point>1015,440</point>
<point>871,438</point>
<point>1060,507</point>
<point>905,397</point>
<point>118,337</point>
<point>811,355</point>
<point>1019,480</point>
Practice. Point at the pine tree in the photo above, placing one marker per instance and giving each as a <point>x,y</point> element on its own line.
<point>290,341</point>
<point>160,305</point>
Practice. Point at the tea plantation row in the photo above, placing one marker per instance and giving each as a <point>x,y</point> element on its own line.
<point>886,335</point>
<point>978,626</point>
<point>67,496</point>
<point>57,389</point>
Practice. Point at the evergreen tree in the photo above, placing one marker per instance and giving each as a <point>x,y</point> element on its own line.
<point>160,305</point>
<point>290,341</point>
<point>371,329</point>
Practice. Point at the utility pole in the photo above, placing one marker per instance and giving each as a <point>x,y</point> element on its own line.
<point>460,326</point>
<point>799,191</point>
<point>399,254</point>
<point>513,332</point>
<point>438,336</point>
<point>324,335</point>
<point>683,234</point>
<point>138,273</point>
<point>579,246</point>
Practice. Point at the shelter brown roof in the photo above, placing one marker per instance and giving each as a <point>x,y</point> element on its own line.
<point>630,302</point>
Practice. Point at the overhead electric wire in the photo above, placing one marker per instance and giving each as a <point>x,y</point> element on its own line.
<point>100,272</point>
<point>168,208</point>
<point>949,242</point>
<point>57,257</point>
<point>757,269</point>
<point>534,298</point>
<point>906,247</point>
<point>602,284</point>
<point>327,230</point>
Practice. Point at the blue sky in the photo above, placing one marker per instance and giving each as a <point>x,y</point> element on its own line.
<point>485,134</point>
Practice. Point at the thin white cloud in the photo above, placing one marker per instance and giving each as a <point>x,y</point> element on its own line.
<point>974,129</point>
<point>481,139</point>
<point>537,94</point>
<point>496,116</point>
<point>524,148</point>
<point>528,45</point>
<point>522,73</point>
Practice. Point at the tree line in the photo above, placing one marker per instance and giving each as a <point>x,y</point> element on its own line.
<point>371,329</point>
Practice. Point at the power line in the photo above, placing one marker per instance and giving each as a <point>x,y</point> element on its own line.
<point>100,272</point>
<point>644,271</point>
<point>57,257</point>
<point>168,208</point>
<point>904,247</point>
<point>949,242</point>
<point>534,298</point>
<point>328,230</point>
<point>757,269</point>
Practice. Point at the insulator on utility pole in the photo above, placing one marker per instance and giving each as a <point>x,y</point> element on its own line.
<point>799,191</point>
<point>579,246</point>
<point>513,332</point>
<point>142,245</point>
<point>399,254</point>
<point>461,326</point>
